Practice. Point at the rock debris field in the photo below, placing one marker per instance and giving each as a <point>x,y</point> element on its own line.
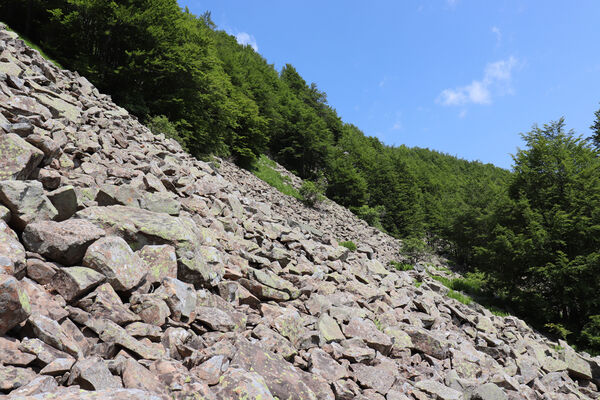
<point>130,270</point>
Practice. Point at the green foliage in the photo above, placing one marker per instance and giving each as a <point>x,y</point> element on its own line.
<point>460,297</point>
<point>349,245</point>
<point>401,266</point>
<point>264,169</point>
<point>372,215</point>
<point>378,324</point>
<point>558,329</point>
<point>414,249</point>
<point>591,332</point>
<point>311,192</point>
<point>595,138</point>
<point>159,124</point>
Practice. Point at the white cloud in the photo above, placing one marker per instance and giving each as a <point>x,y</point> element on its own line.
<point>496,31</point>
<point>397,126</point>
<point>462,114</point>
<point>246,39</point>
<point>496,79</point>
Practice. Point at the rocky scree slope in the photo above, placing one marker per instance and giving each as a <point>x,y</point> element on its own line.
<point>130,270</point>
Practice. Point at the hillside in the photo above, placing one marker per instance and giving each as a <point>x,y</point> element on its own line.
<point>131,270</point>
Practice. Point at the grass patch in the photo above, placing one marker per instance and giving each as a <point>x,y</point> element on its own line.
<point>401,266</point>
<point>418,283</point>
<point>460,297</point>
<point>35,47</point>
<point>469,288</point>
<point>265,170</point>
<point>349,244</point>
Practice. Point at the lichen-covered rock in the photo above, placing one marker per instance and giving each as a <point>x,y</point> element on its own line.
<point>93,374</point>
<point>240,384</point>
<point>64,200</point>
<point>12,252</point>
<point>180,297</point>
<point>14,377</point>
<point>75,282</point>
<point>113,258</point>
<point>14,303</point>
<point>64,242</point>
<point>161,261</point>
<point>26,201</point>
<point>282,379</point>
<point>18,158</point>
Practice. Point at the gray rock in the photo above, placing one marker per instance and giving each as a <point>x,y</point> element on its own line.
<point>18,158</point>
<point>64,242</point>
<point>26,201</point>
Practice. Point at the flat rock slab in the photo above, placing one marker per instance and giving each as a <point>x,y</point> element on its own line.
<point>14,377</point>
<point>240,384</point>
<point>64,242</point>
<point>27,202</point>
<point>18,158</point>
<point>75,282</point>
<point>12,252</point>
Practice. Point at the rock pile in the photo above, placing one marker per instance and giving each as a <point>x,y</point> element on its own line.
<point>130,270</point>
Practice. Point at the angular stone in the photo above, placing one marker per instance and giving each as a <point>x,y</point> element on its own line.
<point>488,391</point>
<point>283,380</point>
<point>112,333</point>
<point>26,201</point>
<point>215,318</point>
<point>151,308</point>
<point>12,252</point>
<point>58,367</point>
<point>14,303</point>
<point>112,257</point>
<point>50,332</point>
<point>141,227</point>
<point>441,392</point>
<point>426,343</point>
<point>367,331</point>
<point>195,269</point>
<point>74,282</point>
<point>576,365</point>
<point>40,271</point>
<point>240,384</point>
<point>322,364</point>
<point>18,158</point>
<point>136,376</point>
<point>376,377</point>
<point>10,354</point>
<point>14,377</point>
<point>39,385</point>
<point>357,351</point>
<point>161,262</point>
<point>107,304</point>
<point>263,292</point>
<point>161,202</point>
<point>181,298</point>
<point>45,354</point>
<point>141,329</point>
<point>329,329</point>
<point>65,202</point>
<point>64,242</point>
<point>210,370</point>
<point>93,374</point>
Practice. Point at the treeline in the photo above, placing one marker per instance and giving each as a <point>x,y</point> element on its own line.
<point>532,232</point>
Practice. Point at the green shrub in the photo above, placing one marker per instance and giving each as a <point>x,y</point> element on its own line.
<point>414,249</point>
<point>264,169</point>
<point>371,215</point>
<point>312,193</point>
<point>558,330</point>
<point>349,245</point>
<point>401,266</point>
<point>159,124</point>
<point>591,333</point>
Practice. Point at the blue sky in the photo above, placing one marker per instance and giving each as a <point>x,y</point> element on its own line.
<point>464,77</point>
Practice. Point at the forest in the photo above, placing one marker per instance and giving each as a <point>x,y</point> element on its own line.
<point>530,236</point>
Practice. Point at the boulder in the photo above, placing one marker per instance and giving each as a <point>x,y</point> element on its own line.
<point>64,242</point>
<point>14,303</point>
<point>75,282</point>
<point>64,200</point>
<point>113,258</point>
<point>12,252</point>
<point>27,202</point>
<point>18,159</point>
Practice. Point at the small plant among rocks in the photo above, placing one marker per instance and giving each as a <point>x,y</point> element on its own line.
<point>349,244</point>
<point>401,266</point>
